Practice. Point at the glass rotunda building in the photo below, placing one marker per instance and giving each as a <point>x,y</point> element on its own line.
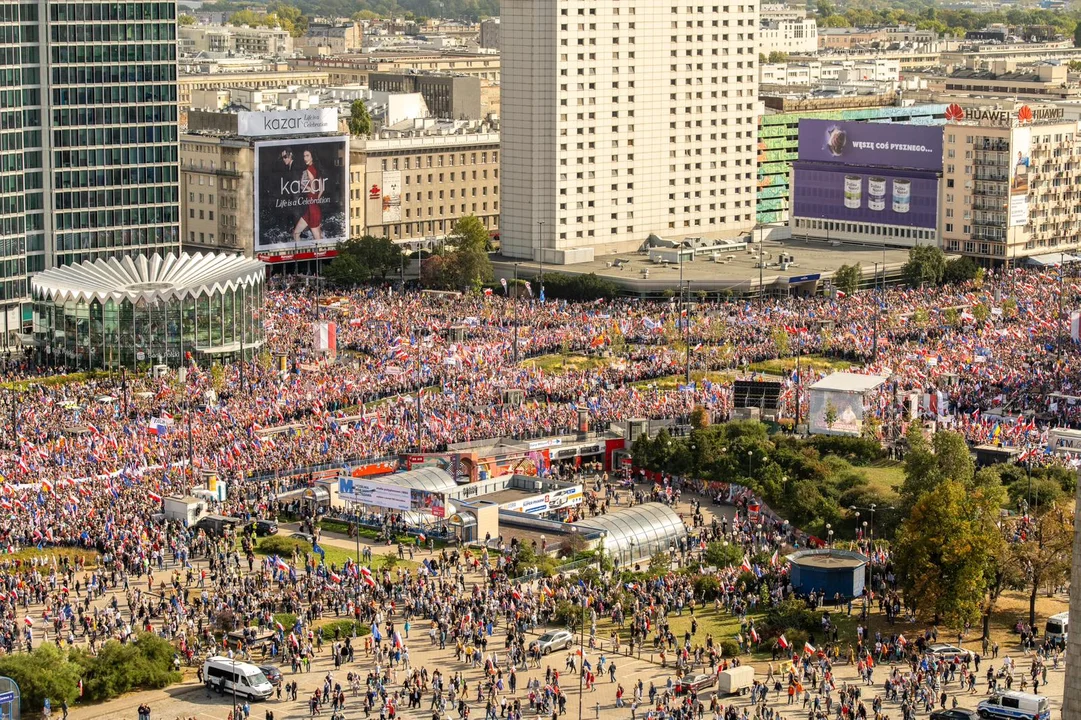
<point>135,312</point>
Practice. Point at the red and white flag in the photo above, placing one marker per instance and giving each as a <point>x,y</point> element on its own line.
<point>745,566</point>
<point>808,648</point>
<point>783,642</point>
<point>153,496</point>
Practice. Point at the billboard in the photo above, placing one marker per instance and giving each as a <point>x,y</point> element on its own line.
<point>392,497</point>
<point>287,122</point>
<point>893,145</point>
<point>1019,165</point>
<point>301,193</point>
<point>870,195</point>
<point>847,412</point>
<point>392,196</point>
<point>546,502</point>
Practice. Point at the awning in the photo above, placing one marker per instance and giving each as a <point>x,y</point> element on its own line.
<point>1052,259</point>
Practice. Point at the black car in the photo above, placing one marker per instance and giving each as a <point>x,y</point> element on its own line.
<point>265,527</point>
<point>273,674</point>
<point>955,714</point>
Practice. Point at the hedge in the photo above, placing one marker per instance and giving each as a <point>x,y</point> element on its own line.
<point>118,668</point>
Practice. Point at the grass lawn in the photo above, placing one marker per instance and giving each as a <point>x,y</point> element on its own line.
<point>336,556</point>
<point>555,363</point>
<point>27,554</point>
<point>884,475</point>
<point>816,362</point>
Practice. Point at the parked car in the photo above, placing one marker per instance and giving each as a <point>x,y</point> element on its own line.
<point>693,685</point>
<point>947,652</point>
<point>273,674</point>
<point>1011,705</point>
<point>306,537</point>
<point>554,640</point>
<point>262,528</point>
<point>955,714</point>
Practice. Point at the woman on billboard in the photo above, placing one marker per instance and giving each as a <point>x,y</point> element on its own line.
<point>311,187</point>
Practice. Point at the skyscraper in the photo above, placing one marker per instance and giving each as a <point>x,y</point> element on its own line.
<point>88,138</point>
<point>625,118</point>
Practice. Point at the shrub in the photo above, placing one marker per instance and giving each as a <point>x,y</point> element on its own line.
<point>283,546</point>
<point>791,613</point>
<point>288,620</point>
<point>723,555</point>
<point>338,526</point>
<point>856,450</point>
<point>146,664</point>
<point>568,614</point>
<point>43,673</point>
<point>706,587</point>
<point>796,638</point>
<point>729,647</point>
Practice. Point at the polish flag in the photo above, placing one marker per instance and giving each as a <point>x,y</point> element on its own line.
<point>754,635</point>
<point>153,496</point>
<point>901,640</point>
<point>808,648</point>
<point>745,566</point>
<point>6,504</point>
<point>280,564</point>
<point>366,574</point>
<point>335,577</point>
<point>422,537</point>
<point>280,627</point>
<point>516,595</point>
<point>28,621</point>
<point>783,642</point>
<point>773,559</point>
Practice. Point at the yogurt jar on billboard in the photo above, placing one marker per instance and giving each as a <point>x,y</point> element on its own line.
<point>876,193</point>
<point>902,195</point>
<point>853,191</point>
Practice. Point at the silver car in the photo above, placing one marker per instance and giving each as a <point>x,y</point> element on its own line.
<point>555,640</point>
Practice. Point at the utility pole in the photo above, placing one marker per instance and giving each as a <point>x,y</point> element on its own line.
<point>799,351</point>
<point>515,350</point>
<point>191,448</point>
<point>687,332</point>
<point>420,421</point>
<point>582,657</point>
<point>540,290</point>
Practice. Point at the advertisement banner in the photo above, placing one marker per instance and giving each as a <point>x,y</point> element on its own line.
<point>392,196</point>
<point>546,502</point>
<point>836,413</point>
<point>917,147</point>
<point>301,193</point>
<point>287,122</point>
<point>426,501</point>
<point>368,492</point>
<point>881,196</point>
<point>1022,148</point>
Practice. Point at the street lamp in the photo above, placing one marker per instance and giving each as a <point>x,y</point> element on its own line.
<point>829,536</point>
<point>540,252</point>
<point>516,313</point>
<point>749,454</point>
<point>869,533</point>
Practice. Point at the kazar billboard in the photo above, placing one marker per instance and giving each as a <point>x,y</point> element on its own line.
<point>301,193</point>
<point>287,122</point>
<point>894,145</point>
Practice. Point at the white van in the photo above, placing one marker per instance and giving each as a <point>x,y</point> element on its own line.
<point>228,676</point>
<point>1014,706</point>
<point>1057,627</point>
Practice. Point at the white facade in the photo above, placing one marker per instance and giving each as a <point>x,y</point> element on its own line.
<point>624,119</point>
<point>798,36</point>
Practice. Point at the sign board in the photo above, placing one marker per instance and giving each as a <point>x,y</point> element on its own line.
<point>301,194</point>
<point>392,497</point>
<point>997,116</point>
<point>10,699</point>
<point>1019,166</point>
<point>893,145</point>
<point>287,122</point>
<point>546,502</point>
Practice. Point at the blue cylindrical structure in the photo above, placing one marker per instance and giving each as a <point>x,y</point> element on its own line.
<point>829,572</point>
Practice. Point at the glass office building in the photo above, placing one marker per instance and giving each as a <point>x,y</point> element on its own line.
<point>139,311</point>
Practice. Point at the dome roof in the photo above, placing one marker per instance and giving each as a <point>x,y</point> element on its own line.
<point>154,278</point>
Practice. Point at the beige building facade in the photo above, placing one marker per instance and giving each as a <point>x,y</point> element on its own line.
<point>217,194</point>
<point>269,80</point>
<point>413,189</point>
<point>1008,182</point>
<point>354,69</point>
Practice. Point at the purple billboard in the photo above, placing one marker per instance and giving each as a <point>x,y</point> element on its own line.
<point>893,145</point>
<point>870,195</point>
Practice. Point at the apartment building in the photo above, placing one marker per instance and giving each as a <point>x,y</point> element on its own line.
<point>277,79</point>
<point>88,127</point>
<point>622,120</point>
<point>354,69</point>
<point>1009,177</point>
<point>412,186</point>
<point>235,39</point>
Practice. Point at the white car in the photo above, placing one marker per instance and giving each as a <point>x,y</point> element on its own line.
<point>948,652</point>
<point>554,640</point>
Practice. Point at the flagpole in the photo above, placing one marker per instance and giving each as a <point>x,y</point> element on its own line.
<point>516,313</point>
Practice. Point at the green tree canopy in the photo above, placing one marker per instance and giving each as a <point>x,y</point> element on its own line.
<point>926,266</point>
<point>847,278</point>
<point>360,120</point>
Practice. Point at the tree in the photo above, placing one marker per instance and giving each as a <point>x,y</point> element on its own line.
<point>1044,552</point>
<point>346,270</point>
<point>780,341</point>
<point>380,254</point>
<point>723,555</point>
<point>699,418</point>
<point>926,265</point>
<point>847,278</point>
<point>929,463</point>
<point>468,265</point>
<point>360,121</point>
<point>944,553</point>
<point>777,56</point>
<point>1077,36</point>
<point>185,20</point>
<point>959,270</point>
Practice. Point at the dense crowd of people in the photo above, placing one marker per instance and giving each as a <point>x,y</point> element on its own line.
<point>90,462</point>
